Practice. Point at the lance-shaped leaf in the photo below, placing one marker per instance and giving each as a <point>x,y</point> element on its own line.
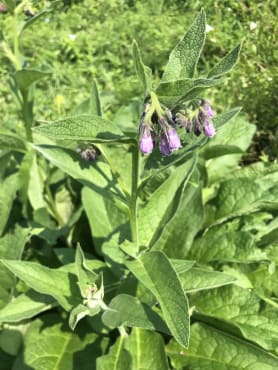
<point>92,105</point>
<point>147,350</point>
<point>213,349</point>
<point>226,64</point>
<point>26,77</point>
<point>82,127</point>
<point>174,92</point>
<point>8,188</point>
<point>184,57</point>
<point>118,358</point>
<point>129,311</point>
<point>144,73</point>
<point>242,308</point>
<point>25,306</point>
<point>152,213</point>
<point>223,118</point>
<point>154,270</point>
<point>58,283</point>
<point>197,279</point>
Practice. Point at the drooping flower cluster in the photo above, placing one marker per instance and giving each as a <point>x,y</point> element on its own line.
<point>88,152</point>
<point>200,120</point>
<point>158,124</point>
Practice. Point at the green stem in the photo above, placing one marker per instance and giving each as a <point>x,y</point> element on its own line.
<point>27,115</point>
<point>133,199</point>
<point>53,207</point>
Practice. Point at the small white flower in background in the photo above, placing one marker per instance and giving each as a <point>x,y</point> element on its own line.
<point>252,26</point>
<point>72,36</point>
<point>47,20</point>
<point>208,28</point>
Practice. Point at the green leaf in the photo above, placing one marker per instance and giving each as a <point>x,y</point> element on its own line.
<point>11,141</point>
<point>85,127</point>
<point>237,132</point>
<point>181,266</point>
<point>129,311</point>
<point>25,306</point>
<point>58,283</point>
<point>213,349</point>
<point>105,216</point>
<point>151,214</point>
<point>184,57</point>
<point>117,359</point>
<point>8,189</point>
<point>11,247</point>
<point>147,350</point>
<point>96,175</point>
<point>174,92</point>
<point>92,105</point>
<point>218,244</point>
<point>26,77</point>
<point>24,25</point>
<point>178,233</point>
<point>144,73</point>
<point>154,270</point>
<point>86,277</point>
<point>242,308</point>
<point>221,119</point>
<point>197,279</point>
<point>58,347</point>
<point>226,64</point>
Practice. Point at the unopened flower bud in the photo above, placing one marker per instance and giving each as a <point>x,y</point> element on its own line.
<point>209,129</point>
<point>146,138</point>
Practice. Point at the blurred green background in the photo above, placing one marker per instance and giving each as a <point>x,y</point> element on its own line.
<point>83,39</point>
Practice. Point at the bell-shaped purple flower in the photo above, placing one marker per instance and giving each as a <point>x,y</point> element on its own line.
<point>209,129</point>
<point>146,139</point>
<point>164,147</point>
<point>168,141</point>
<point>207,109</point>
<point>173,139</point>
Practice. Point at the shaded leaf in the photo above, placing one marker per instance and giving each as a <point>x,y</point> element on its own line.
<point>226,64</point>
<point>117,359</point>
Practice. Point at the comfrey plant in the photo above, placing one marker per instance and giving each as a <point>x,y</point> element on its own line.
<point>122,295</point>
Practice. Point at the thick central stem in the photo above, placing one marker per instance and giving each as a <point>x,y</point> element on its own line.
<point>133,199</point>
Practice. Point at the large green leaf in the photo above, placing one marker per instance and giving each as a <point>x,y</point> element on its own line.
<point>242,308</point>
<point>147,350</point>
<point>128,311</point>
<point>105,216</point>
<point>212,349</point>
<point>151,214</point>
<point>154,270</point>
<point>184,57</point>
<point>96,175</point>
<point>25,306</point>
<point>118,358</point>
<point>197,279</point>
<point>83,127</point>
<point>218,244</point>
<point>236,132</point>
<point>11,247</point>
<point>59,283</point>
<point>226,64</point>
<point>8,189</point>
<point>178,233</point>
<point>144,73</point>
<point>50,345</point>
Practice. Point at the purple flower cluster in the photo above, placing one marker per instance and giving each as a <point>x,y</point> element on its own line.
<point>200,120</point>
<point>160,125</point>
<point>168,138</point>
